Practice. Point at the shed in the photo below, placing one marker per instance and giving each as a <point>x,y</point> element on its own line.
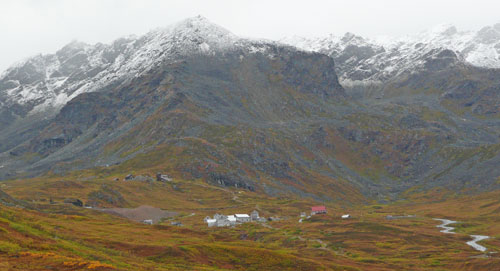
<point>346,216</point>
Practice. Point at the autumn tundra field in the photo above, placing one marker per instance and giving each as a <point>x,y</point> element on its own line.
<point>39,231</point>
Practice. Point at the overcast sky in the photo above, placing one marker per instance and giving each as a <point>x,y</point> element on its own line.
<point>29,27</point>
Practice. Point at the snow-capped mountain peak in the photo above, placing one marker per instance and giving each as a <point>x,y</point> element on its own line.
<point>379,59</point>
<point>51,80</point>
<point>445,29</point>
<point>200,26</point>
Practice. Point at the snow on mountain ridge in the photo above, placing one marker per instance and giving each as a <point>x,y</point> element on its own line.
<point>52,80</point>
<point>471,45</point>
<point>378,59</point>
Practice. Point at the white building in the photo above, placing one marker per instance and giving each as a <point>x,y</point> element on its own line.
<point>232,220</point>
<point>242,218</point>
<point>218,216</point>
<point>346,216</point>
<point>223,222</point>
<point>211,222</point>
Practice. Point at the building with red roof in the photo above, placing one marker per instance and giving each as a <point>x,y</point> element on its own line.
<point>318,210</point>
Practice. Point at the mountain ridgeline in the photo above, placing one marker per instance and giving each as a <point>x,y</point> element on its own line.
<point>197,101</point>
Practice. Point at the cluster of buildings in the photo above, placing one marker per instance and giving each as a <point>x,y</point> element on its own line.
<point>232,220</point>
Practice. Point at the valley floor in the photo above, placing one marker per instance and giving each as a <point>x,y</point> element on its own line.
<point>48,234</point>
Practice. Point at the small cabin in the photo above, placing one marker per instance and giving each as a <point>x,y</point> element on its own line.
<point>318,210</point>
<point>148,221</point>
<point>346,216</point>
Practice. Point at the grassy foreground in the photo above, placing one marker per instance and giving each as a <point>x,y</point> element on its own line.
<point>48,234</point>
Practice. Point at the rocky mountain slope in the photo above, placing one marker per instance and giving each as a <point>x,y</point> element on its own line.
<point>462,66</point>
<point>189,84</point>
<point>199,102</point>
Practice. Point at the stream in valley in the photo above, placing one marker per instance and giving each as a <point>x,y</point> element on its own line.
<point>475,238</point>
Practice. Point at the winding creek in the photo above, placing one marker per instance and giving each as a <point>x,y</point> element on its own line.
<point>475,238</point>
